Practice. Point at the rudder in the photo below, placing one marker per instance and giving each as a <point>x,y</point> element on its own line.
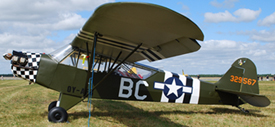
<point>241,82</point>
<point>242,77</point>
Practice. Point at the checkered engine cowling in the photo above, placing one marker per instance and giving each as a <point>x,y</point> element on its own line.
<point>29,72</point>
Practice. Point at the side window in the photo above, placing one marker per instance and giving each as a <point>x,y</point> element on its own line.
<point>82,61</point>
<point>134,72</point>
<point>77,59</point>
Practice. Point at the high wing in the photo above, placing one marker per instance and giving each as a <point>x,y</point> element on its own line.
<point>122,26</point>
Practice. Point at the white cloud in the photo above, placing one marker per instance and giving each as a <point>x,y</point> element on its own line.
<point>241,15</point>
<point>43,7</point>
<point>219,17</point>
<point>45,14</point>
<point>262,35</point>
<point>69,21</point>
<point>247,15</point>
<point>213,44</point>
<point>216,57</point>
<point>29,25</point>
<point>11,42</point>
<point>231,48</point>
<point>257,52</point>
<point>224,4</point>
<point>267,21</point>
<point>41,18</point>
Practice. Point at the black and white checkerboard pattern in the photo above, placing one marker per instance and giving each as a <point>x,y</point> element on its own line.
<point>33,63</point>
<point>33,59</point>
<point>27,74</point>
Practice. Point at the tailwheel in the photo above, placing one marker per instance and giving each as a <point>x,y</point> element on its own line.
<point>57,115</point>
<point>52,105</point>
<point>243,110</point>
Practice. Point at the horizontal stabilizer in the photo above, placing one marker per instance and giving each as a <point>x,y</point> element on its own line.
<point>251,98</point>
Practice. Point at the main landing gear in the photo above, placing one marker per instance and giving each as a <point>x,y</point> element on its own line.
<point>57,114</point>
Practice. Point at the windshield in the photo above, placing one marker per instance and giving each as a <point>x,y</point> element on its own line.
<point>61,54</point>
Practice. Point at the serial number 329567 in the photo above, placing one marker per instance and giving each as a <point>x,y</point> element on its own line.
<point>247,81</point>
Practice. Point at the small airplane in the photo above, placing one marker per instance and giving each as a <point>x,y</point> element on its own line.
<point>105,54</point>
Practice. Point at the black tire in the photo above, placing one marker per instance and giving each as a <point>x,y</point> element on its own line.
<point>58,115</point>
<point>52,105</point>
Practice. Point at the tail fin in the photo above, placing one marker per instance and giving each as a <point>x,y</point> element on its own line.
<point>240,83</point>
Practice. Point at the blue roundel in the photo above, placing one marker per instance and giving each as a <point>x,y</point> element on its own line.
<point>169,81</point>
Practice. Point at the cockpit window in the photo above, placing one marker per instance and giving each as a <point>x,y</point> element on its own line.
<point>61,54</point>
<point>134,71</point>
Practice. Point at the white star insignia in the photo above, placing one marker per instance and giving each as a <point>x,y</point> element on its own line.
<point>173,88</point>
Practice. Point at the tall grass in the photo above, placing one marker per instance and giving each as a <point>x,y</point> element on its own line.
<point>26,105</point>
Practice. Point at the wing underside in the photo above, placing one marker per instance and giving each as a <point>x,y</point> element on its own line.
<point>122,26</point>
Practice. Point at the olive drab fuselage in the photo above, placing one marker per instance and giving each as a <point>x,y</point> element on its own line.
<point>70,81</point>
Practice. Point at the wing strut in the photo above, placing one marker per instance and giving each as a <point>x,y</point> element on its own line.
<point>91,61</point>
<point>109,63</point>
<point>115,60</point>
<point>106,61</point>
<point>116,67</point>
<point>77,59</point>
<point>99,63</point>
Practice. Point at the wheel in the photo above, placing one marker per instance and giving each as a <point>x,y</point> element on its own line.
<point>51,105</point>
<point>58,115</point>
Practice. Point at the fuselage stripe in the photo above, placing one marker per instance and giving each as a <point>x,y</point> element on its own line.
<point>189,82</point>
<point>175,75</point>
<point>191,89</point>
<point>196,92</point>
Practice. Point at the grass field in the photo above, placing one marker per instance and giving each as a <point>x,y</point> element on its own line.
<point>26,105</point>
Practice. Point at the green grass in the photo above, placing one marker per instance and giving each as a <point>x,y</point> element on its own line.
<point>26,105</point>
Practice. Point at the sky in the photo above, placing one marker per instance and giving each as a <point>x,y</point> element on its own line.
<point>232,29</point>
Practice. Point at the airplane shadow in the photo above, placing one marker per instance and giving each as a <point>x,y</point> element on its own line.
<point>237,111</point>
<point>126,113</point>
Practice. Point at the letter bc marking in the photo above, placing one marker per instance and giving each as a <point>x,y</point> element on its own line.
<point>125,91</point>
<point>126,88</point>
<point>137,89</point>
